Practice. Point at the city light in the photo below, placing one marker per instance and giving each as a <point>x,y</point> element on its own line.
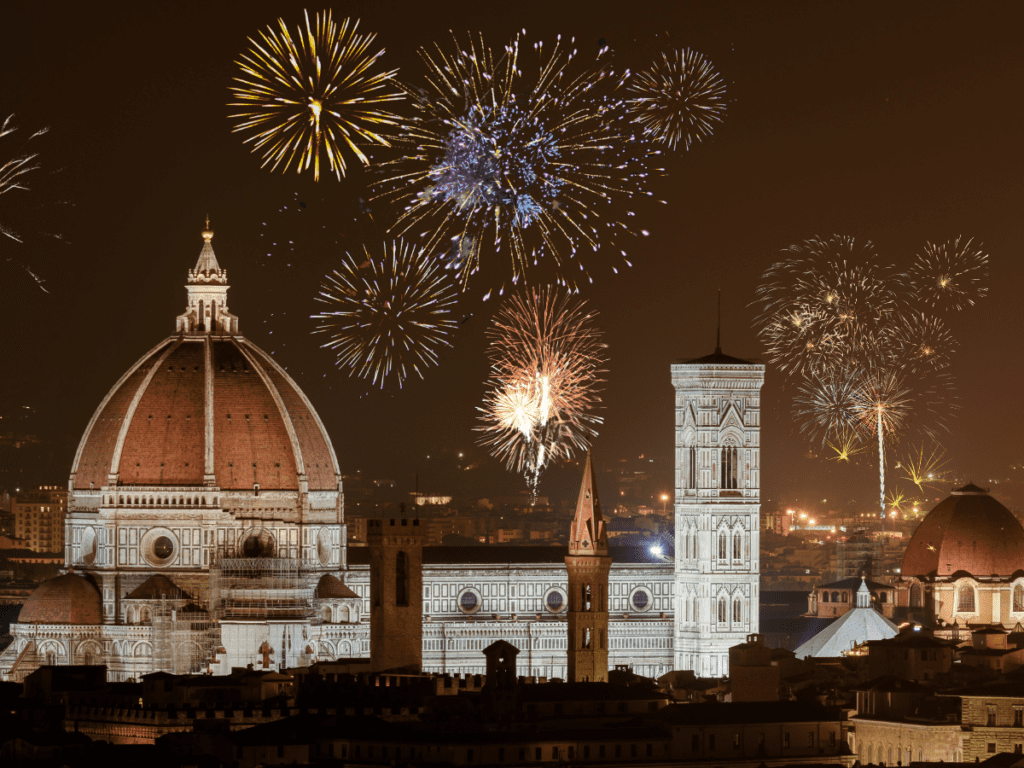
<point>657,551</point>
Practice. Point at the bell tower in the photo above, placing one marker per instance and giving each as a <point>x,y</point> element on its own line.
<point>588,565</point>
<point>396,594</point>
<point>717,508</point>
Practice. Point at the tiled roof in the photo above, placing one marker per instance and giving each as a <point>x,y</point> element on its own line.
<point>969,531</point>
<point>67,599</point>
<point>156,587</point>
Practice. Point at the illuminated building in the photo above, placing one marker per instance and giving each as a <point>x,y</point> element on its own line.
<point>39,518</point>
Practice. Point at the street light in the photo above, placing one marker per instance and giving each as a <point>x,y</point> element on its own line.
<point>664,501</point>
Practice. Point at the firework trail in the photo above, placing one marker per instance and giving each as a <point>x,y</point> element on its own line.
<point>926,467</point>
<point>21,173</point>
<point>389,316</point>
<point>952,274</point>
<point>315,93</point>
<point>518,151</point>
<point>679,100</point>
<point>546,365</point>
<point>866,358</point>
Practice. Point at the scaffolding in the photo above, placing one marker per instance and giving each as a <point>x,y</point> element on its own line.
<point>185,637</point>
<point>263,588</point>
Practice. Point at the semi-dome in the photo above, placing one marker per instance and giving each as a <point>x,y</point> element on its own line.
<point>968,531</point>
<point>206,407</point>
<point>67,599</point>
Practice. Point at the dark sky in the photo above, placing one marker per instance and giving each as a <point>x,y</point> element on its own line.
<point>899,123</point>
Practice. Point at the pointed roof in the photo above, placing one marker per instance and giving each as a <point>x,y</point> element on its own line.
<point>588,535</point>
<point>854,627</point>
<point>156,587</point>
<point>207,263</point>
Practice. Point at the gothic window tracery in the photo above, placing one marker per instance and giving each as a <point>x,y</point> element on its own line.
<point>721,610</point>
<point>722,541</point>
<point>737,546</point>
<point>965,599</point>
<point>729,468</point>
<point>737,611</point>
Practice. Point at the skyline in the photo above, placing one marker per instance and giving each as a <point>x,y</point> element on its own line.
<point>818,139</point>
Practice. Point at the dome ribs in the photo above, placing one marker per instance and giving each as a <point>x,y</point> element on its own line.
<point>96,451</point>
<point>253,450</point>
<point>317,452</point>
<point>165,442</point>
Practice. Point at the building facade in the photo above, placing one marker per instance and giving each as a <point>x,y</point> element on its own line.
<point>717,508</point>
<point>39,518</point>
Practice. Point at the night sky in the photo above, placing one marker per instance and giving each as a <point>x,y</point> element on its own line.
<point>896,123</point>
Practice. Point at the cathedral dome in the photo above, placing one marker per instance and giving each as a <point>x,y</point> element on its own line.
<point>67,599</point>
<point>968,531</point>
<point>206,407</point>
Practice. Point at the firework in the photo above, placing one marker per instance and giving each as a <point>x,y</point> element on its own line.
<point>846,444</point>
<point>923,342</point>
<point>952,274</point>
<point>896,499</point>
<point>679,100</point>
<point>517,152</point>
<point>389,315</point>
<point>926,467</point>
<point>315,93</point>
<point>546,360</point>
<point>829,401</point>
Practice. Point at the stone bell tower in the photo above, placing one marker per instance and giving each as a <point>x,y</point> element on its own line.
<point>396,589</point>
<point>588,565</point>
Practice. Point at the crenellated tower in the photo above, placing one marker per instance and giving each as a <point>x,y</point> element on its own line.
<point>588,565</point>
<point>717,508</point>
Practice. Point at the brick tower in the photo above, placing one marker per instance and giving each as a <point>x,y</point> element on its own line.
<point>396,586</point>
<point>588,565</point>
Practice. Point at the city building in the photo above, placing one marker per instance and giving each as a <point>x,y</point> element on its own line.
<point>839,597</point>
<point>717,508</point>
<point>39,517</point>
<point>860,625</point>
<point>964,564</point>
<point>206,532</point>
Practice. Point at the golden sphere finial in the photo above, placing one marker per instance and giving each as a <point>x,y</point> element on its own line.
<point>207,233</point>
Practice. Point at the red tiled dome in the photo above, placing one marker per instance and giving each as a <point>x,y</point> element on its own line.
<point>331,586</point>
<point>968,531</point>
<point>67,599</point>
<point>152,428</point>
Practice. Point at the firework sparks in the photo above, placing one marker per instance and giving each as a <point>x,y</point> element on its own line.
<point>679,100</point>
<point>926,468</point>
<point>952,274</point>
<point>829,401</point>
<point>315,93</point>
<point>391,315</point>
<point>517,154</point>
<point>896,500</point>
<point>845,445</point>
<point>546,360</point>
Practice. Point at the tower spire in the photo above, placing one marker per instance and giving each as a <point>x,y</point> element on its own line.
<point>588,535</point>
<point>718,335</point>
<point>207,287</point>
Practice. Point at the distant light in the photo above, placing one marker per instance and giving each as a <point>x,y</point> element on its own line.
<point>657,551</point>
<point>917,629</point>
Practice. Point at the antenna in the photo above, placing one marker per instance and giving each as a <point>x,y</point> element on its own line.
<point>718,336</point>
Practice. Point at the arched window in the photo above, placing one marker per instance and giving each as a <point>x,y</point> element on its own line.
<point>687,610</point>
<point>965,599</point>
<point>737,611</point>
<point>824,596</point>
<point>202,317</point>
<point>835,597</point>
<point>846,597</point>
<point>871,749</point>
<point>737,546</point>
<point>721,546</point>
<point>721,610</point>
<point>401,579</point>
<point>1018,597</point>
<point>692,478</point>
<point>586,595</point>
<point>730,467</point>
<point>915,596</point>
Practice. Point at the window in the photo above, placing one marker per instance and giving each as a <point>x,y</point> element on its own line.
<point>737,611</point>
<point>965,599</point>
<point>469,755</point>
<point>737,546</point>
<point>1018,717</point>
<point>522,754</point>
<point>991,748</point>
<point>810,739</point>
<point>917,602</point>
<point>618,750</point>
<point>721,546</point>
<point>1018,597</point>
<point>501,754</point>
<point>693,468</point>
<point>586,752</point>
<point>785,740</point>
<point>824,597</point>
<point>695,744</point>
<point>401,579</point>
<point>730,467</point>
<point>650,750</point>
<point>991,719</point>
<point>735,741</point>
<point>536,754</point>
<point>832,739</point>
<point>721,610</point>
<point>600,752</point>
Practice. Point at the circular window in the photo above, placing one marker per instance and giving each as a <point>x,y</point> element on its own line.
<point>554,600</point>
<point>88,546</point>
<point>640,599</point>
<point>257,543</point>
<point>163,547</point>
<point>323,546</point>
<point>469,601</point>
<point>159,546</point>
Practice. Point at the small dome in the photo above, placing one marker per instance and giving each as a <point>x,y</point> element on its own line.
<point>67,599</point>
<point>968,531</point>
<point>331,586</point>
